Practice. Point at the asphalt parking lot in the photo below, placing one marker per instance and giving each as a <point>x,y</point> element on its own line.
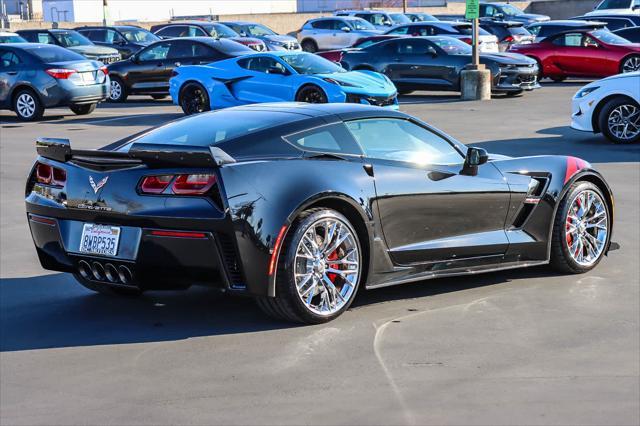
<point>517,347</point>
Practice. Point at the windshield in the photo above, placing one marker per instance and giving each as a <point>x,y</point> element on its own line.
<point>138,35</point>
<point>308,63</point>
<point>71,39</point>
<point>425,17</point>
<point>221,31</point>
<point>608,37</point>
<point>399,18</point>
<point>452,46</point>
<point>360,24</point>
<point>12,39</point>
<point>258,30</point>
<point>511,10</point>
<point>615,4</point>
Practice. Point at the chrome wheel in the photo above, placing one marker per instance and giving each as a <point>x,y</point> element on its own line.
<point>624,122</point>
<point>115,90</point>
<point>631,64</point>
<point>327,266</point>
<point>26,105</point>
<point>586,228</point>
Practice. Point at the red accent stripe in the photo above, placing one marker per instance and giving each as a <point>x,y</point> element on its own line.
<point>41,219</point>
<point>179,234</point>
<point>276,249</point>
<point>574,165</point>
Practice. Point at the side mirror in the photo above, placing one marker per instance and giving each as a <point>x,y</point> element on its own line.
<point>276,70</point>
<point>134,59</point>
<point>475,157</point>
<point>345,29</point>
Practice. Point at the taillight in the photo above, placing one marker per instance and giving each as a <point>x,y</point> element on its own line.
<point>155,184</point>
<point>60,73</point>
<point>467,40</point>
<point>49,175</point>
<point>509,39</point>
<point>193,184</point>
<point>186,184</point>
<point>104,70</point>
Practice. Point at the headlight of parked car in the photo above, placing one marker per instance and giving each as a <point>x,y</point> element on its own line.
<point>584,92</point>
<point>339,83</point>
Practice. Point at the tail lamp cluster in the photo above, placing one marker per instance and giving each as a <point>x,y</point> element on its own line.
<point>66,74</point>
<point>185,184</point>
<point>50,175</point>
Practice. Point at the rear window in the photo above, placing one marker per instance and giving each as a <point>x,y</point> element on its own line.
<point>468,30</point>
<point>519,31</point>
<point>232,48</point>
<point>50,53</point>
<point>213,128</point>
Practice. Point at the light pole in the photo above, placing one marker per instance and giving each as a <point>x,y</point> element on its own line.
<point>105,12</point>
<point>475,78</point>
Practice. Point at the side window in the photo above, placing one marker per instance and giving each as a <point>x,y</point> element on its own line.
<point>261,64</point>
<point>99,35</point>
<point>569,40</point>
<point>202,51</point>
<point>413,47</point>
<point>401,140</point>
<point>366,16</point>
<point>45,38</point>
<point>88,34</point>
<point>422,30</point>
<point>399,30</point>
<point>332,138</point>
<point>171,31</point>
<point>155,53</point>
<point>8,59</point>
<point>196,32</point>
<point>180,49</point>
<point>535,30</point>
<point>325,24</point>
<point>111,36</point>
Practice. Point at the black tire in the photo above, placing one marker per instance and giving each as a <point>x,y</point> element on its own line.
<point>558,79</point>
<point>311,94</point>
<point>288,305</point>
<point>309,46</point>
<point>630,64</point>
<point>194,99</point>
<point>513,94</point>
<point>561,259</point>
<point>109,290</point>
<point>27,105</point>
<point>117,90</point>
<point>158,97</point>
<point>83,109</point>
<point>614,108</point>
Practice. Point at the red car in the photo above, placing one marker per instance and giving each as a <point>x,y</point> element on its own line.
<point>582,53</point>
<point>336,55</point>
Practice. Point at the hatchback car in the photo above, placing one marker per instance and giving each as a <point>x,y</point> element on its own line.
<point>272,39</point>
<point>126,39</point>
<point>333,32</point>
<point>206,29</point>
<point>463,31</point>
<point>507,32</point>
<point>74,41</point>
<point>38,76</point>
<point>148,71</point>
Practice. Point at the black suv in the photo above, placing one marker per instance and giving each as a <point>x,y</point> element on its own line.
<point>126,39</point>
<point>508,12</point>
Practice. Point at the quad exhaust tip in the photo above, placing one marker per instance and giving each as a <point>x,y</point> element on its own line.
<point>108,272</point>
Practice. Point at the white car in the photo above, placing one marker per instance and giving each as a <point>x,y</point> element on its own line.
<point>615,7</point>
<point>610,106</point>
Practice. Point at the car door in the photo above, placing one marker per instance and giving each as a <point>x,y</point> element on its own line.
<point>150,72</point>
<point>418,63</point>
<point>431,209</point>
<point>10,69</point>
<point>569,53</point>
<point>322,32</point>
<point>268,81</point>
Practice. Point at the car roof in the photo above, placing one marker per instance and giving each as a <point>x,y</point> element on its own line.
<point>241,22</point>
<point>324,18</point>
<point>314,110</point>
<point>570,23</point>
<point>7,33</point>
<point>367,12</point>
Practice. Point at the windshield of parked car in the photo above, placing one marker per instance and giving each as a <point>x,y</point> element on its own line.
<point>308,63</point>
<point>12,39</point>
<point>425,17</point>
<point>511,10</point>
<point>360,24</point>
<point>48,53</point>
<point>615,4</point>
<point>221,31</point>
<point>138,35</point>
<point>400,18</point>
<point>608,37</point>
<point>258,30</point>
<point>71,39</point>
<point>452,46</point>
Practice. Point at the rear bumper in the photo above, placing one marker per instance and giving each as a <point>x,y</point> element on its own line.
<point>155,260</point>
<point>63,94</point>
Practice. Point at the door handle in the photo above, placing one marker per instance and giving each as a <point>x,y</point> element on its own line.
<point>437,175</point>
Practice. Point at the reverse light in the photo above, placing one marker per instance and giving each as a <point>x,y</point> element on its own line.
<point>193,184</point>
<point>155,184</point>
<point>60,73</point>
<point>49,175</point>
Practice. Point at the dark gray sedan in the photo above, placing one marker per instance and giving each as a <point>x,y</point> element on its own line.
<point>38,76</point>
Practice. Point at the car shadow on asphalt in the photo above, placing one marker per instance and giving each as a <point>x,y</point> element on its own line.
<point>565,141</point>
<point>54,311</point>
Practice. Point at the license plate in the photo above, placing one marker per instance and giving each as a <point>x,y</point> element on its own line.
<point>87,77</point>
<point>100,239</point>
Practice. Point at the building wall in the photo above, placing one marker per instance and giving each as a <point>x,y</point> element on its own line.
<point>562,9</point>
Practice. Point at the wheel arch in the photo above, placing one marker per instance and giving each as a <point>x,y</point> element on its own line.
<point>311,39</point>
<point>595,117</point>
<point>349,208</point>
<point>310,84</point>
<point>20,87</point>
<point>624,58</point>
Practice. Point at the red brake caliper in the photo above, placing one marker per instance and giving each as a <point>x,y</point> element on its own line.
<point>333,256</point>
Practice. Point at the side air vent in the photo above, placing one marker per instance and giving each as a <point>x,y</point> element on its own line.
<point>523,215</point>
<point>231,261</point>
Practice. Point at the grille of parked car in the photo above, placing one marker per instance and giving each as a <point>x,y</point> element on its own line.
<point>108,59</point>
<point>372,100</point>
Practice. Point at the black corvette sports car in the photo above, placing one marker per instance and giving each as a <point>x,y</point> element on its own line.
<point>299,205</point>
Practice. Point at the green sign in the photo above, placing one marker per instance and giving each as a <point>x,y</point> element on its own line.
<point>473,9</point>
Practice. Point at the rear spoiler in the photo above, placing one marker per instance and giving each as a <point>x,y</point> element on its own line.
<point>153,155</point>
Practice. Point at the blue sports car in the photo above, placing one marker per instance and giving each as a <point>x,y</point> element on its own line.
<point>273,77</point>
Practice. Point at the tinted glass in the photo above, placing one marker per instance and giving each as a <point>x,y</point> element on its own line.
<point>452,46</point>
<point>609,38</point>
<point>399,30</point>
<point>155,53</point>
<point>71,39</point>
<point>138,35</point>
<point>614,4</point>
<point>414,47</point>
<point>54,54</point>
<point>569,40</point>
<point>308,63</point>
<point>511,10</point>
<point>402,140</point>
<point>220,31</point>
<point>12,39</point>
<point>261,64</point>
<point>8,59</point>
<point>231,48</point>
<point>399,18</point>
<point>212,128</point>
<point>331,138</point>
<point>361,25</point>
<point>201,51</point>
<point>173,31</point>
<point>325,24</point>
<point>518,31</point>
<point>468,30</point>
<point>258,30</point>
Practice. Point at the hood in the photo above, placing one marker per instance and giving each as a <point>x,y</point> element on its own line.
<point>368,82</point>
<point>635,74</point>
<point>246,39</point>
<point>93,50</point>
<point>279,38</point>
<point>507,58</point>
